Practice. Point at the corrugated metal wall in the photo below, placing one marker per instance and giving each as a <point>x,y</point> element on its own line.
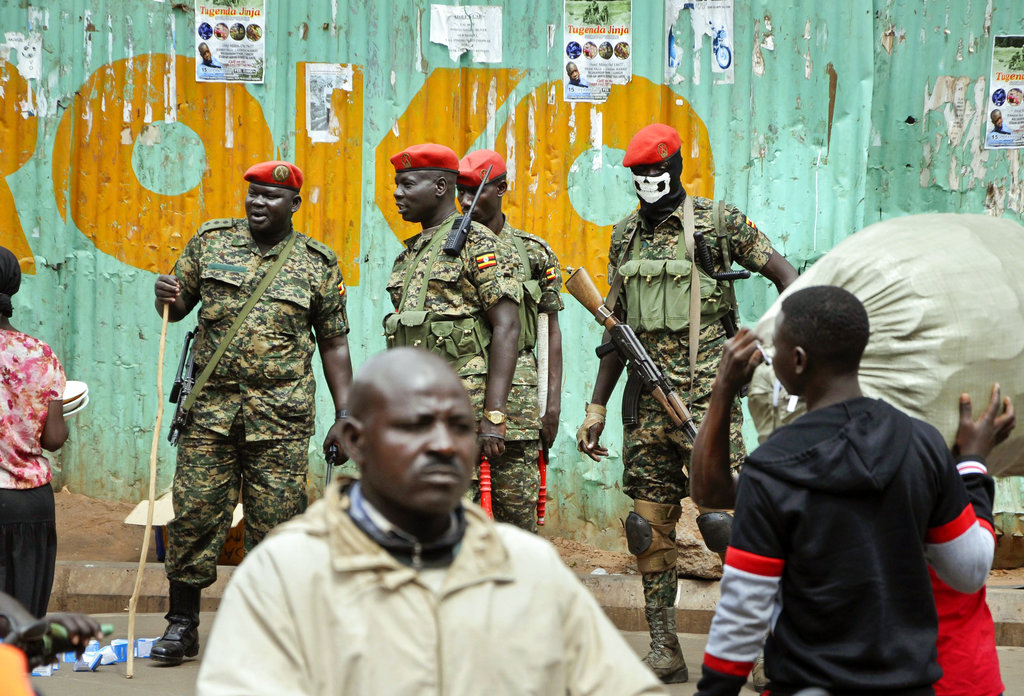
<point>840,114</point>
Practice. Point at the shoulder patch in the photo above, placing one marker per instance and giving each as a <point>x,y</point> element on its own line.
<point>217,224</point>
<point>321,248</point>
<point>486,260</point>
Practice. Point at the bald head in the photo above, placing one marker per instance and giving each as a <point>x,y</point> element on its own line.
<point>397,371</point>
<point>412,433</point>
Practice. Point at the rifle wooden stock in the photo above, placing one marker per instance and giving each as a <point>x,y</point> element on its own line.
<point>644,373</point>
<point>581,286</point>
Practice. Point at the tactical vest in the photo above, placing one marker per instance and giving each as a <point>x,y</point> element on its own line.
<point>456,339</point>
<point>529,308</point>
<point>658,291</point>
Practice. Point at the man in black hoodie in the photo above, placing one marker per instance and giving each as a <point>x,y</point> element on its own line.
<point>838,517</point>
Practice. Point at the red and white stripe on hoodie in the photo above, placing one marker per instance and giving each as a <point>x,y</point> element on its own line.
<point>960,552</point>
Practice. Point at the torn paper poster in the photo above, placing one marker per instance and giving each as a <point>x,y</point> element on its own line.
<point>321,81</point>
<point>27,53</point>
<point>711,18</point>
<point>1004,125</point>
<point>597,48</point>
<point>474,28</point>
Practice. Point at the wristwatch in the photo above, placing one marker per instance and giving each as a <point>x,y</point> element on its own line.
<point>495,417</point>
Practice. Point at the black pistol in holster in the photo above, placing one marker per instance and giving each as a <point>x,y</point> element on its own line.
<point>183,383</point>
<point>644,373</point>
<point>460,227</point>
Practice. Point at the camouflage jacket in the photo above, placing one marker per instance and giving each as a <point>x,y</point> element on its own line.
<point>266,370</point>
<point>523,409</point>
<point>457,287</point>
<point>748,247</point>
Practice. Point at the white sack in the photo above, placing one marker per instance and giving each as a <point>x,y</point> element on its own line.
<point>945,300</point>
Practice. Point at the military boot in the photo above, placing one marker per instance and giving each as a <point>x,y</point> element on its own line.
<point>666,657</point>
<point>181,639</point>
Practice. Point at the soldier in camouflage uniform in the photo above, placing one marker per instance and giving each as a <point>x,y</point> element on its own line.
<point>250,425</point>
<point>463,306</point>
<point>648,250</point>
<point>515,474</point>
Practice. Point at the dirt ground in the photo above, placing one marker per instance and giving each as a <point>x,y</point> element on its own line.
<point>94,530</point>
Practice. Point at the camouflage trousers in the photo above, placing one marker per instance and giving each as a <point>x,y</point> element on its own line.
<point>656,456</point>
<point>212,469</point>
<point>515,481</point>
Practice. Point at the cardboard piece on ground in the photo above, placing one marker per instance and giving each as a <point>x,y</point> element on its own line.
<point>163,512</point>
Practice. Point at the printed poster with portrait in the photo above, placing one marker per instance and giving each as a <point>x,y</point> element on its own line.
<point>1004,115</point>
<point>230,46</point>
<point>597,48</point>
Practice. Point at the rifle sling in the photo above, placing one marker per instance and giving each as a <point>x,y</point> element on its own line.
<point>688,227</point>
<point>246,308</point>
<point>616,286</point>
<point>432,247</point>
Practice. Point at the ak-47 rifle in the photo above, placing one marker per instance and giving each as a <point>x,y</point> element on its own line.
<point>183,383</point>
<point>460,228</point>
<point>644,373</point>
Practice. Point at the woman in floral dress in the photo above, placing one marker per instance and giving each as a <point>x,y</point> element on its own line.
<point>31,420</point>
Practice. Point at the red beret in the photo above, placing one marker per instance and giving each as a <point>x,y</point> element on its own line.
<point>473,166</point>
<point>426,156</point>
<point>280,174</point>
<point>652,144</point>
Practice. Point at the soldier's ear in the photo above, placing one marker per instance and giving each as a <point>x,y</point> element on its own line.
<point>502,187</point>
<point>441,186</point>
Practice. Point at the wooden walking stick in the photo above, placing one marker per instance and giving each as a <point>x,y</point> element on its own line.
<point>152,494</point>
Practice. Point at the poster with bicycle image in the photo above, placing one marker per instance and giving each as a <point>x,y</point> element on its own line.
<point>710,18</point>
<point>596,48</point>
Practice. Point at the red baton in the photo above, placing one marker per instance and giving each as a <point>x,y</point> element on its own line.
<point>542,493</point>
<point>485,485</point>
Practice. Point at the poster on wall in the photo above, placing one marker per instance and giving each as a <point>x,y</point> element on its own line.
<point>1004,122</point>
<point>711,18</point>
<point>596,48</point>
<point>475,28</point>
<point>230,46</point>
<point>321,81</point>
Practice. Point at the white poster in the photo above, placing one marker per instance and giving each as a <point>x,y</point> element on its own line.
<point>1004,122</point>
<point>597,48</point>
<point>321,81</point>
<point>711,18</point>
<point>230,46</point>
<point>464,28</point>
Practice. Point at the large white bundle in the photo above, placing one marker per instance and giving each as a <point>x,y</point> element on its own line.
<point>945,299</point>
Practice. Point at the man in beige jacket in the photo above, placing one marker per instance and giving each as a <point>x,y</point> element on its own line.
<point>395,585</point>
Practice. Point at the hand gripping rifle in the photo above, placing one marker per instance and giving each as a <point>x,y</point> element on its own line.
<point>644,373</point>
<point>460,228</point>
<point>183,383</point>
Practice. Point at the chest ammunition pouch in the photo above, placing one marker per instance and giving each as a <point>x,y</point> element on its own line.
<point>457,339</point>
